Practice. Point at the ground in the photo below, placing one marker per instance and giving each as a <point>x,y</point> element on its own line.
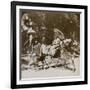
<point>51,72</point>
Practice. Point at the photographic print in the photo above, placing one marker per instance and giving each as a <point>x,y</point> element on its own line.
<point>49,44</point>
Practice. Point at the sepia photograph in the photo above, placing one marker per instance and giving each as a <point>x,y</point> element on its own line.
<point>49,44</point>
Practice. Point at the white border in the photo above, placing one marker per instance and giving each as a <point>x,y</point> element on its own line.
<point>55,79</point>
